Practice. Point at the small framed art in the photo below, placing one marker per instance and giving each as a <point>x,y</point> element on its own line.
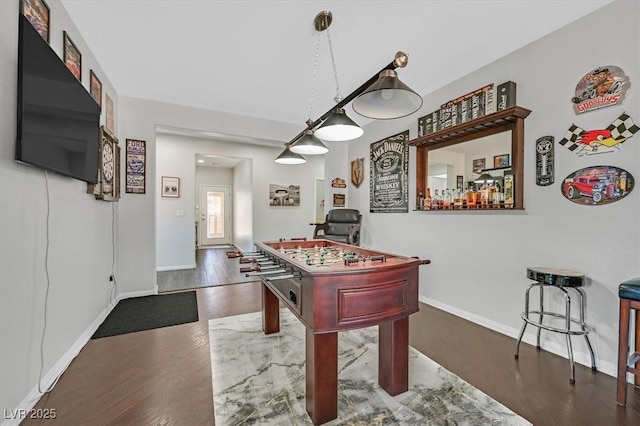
<point>95,88</point>
<point>478,165</point>
<point>501,161</point>
<point>37,12</point>
<point>109,121</point>
<point>72,57</point>
<point>170,187</point>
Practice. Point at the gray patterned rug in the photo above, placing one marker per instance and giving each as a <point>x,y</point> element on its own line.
<point>260,380</point>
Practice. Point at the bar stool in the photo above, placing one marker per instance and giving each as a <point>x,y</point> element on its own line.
<point>629,293</point>
<point>563,281</point>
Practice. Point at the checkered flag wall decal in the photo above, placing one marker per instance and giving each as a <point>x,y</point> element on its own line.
<point>623,127</point>
<point>570,140</point>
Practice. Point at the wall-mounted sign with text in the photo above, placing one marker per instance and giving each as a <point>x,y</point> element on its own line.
<point>602,87</point>
<point>389,190</point>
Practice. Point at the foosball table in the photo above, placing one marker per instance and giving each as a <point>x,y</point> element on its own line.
<point>332,287</point>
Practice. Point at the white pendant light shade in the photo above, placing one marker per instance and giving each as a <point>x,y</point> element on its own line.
<point>339,127</point>
<point>288,157</point>
<point>387,98</point>
<point>308,144</point>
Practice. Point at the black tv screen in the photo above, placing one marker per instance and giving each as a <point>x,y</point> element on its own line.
<point>58,120</point>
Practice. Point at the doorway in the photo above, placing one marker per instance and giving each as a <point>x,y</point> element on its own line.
<point>215,215</point>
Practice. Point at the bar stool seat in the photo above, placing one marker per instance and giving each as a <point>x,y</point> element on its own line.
<point>629,294</point>
<point>562,280</point>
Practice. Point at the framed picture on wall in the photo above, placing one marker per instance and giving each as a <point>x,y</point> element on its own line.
<point>72,57</point>
<point>170,187</point>
<point>37,12</point>
<point>478,166</point>
<point>501,161</point>
<point>95,88</point>
<point>136,158</point>
<point>109,121</point>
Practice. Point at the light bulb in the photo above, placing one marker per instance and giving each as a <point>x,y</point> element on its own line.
<point>386,94</point>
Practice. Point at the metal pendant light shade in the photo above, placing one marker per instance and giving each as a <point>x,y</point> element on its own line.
<point>339,127</point>
<point>485,178</point>
<point>387,98</point>
<point>288,157</point>
<point>308,144</point>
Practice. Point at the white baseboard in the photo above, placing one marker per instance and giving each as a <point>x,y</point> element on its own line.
<point>129,295</point>
<point>175,268</point>
<point>56,371</point>
<point>579,357</point>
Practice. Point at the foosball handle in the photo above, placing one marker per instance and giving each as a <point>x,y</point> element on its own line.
<point>422,261</point>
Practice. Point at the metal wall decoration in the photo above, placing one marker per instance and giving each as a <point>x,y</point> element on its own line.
<point>338,183</point>
<point>284,195</point>
<point>598,185</point>
<point>136,157</point>
<point>602,87</point>
<point>544,161</point>
<point>589,142</point>
<point>357,172</point>
<point>389,190</point>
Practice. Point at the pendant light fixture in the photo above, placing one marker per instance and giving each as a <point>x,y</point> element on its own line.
<point>382,97</point>
<point>289,157</point>
<point>308,144</point>
<point>338,127</point>
<point>387,98</point>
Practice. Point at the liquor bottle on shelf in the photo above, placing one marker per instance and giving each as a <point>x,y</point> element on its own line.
<point>458,199</point>
<point>472,198</point>
<point>436,201</point>
<point>484,196</point>
<point>494,196</point>
<point>447,201</point>
<point>420,201</point>
<point>427,200</point>
<point>509,198</point>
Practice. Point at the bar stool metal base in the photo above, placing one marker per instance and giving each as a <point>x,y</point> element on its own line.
<point>561,282</point>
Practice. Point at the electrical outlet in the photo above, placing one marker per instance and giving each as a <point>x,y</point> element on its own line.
<point>111,278</point>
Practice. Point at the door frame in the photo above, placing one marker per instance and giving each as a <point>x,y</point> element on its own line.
<point>228,212</point>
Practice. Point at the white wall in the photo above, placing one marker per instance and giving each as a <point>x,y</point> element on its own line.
<point>175,157</point>
<point>479,259</point>
<point>80,239</point>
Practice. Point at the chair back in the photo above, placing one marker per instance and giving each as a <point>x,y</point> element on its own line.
<point>339,221</point>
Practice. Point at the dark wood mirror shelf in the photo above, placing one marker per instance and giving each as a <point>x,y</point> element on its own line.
<point>507,120</point>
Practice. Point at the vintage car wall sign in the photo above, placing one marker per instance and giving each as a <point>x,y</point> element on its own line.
<point>602,87</point>
<point>598,185</point>
<point>599,141</point>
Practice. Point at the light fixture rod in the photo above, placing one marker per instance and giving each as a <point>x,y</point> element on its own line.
<point>400,61</point>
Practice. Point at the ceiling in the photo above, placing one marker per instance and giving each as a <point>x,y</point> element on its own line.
<point>256,58</point>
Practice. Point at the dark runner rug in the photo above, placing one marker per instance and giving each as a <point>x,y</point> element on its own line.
<point>148,312</point>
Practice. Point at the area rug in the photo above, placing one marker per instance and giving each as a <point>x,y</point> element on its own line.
<point>148,312</point>
<point>260,379</point>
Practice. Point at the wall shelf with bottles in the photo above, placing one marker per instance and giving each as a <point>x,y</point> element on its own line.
<point>507,120</point>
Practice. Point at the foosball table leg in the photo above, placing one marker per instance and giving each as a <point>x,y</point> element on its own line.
<point>270,311</point>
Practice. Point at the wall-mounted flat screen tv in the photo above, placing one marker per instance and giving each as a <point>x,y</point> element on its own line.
<point>58,120</point>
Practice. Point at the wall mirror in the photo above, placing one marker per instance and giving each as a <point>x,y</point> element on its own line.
<point>469,164</point>
<point>458,151</point>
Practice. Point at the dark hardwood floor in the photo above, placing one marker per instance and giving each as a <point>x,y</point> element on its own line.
<point>163,376</point>
<point>212,269</point>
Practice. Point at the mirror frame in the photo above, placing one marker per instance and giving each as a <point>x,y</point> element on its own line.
<point>510,119</point>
